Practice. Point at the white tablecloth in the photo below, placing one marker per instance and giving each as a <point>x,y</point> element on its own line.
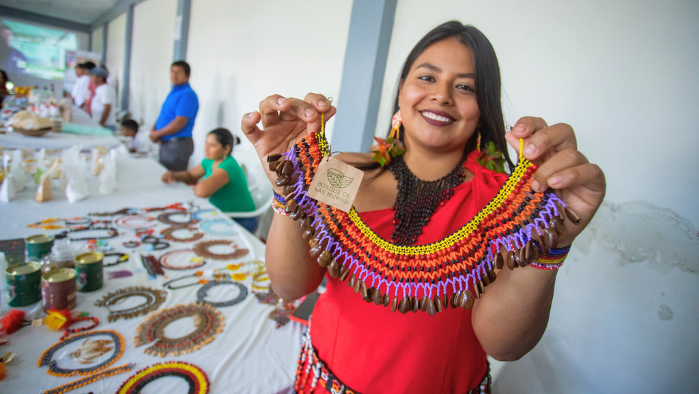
<point>51,140</point>
<point>82,118</point>
<point>250,356</point>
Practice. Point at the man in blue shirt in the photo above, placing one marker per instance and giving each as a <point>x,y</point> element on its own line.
<point>174,126</point>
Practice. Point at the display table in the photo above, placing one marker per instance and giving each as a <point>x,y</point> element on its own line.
<point>250,355</point>
<point>83,130</point>
<point>83,124</point>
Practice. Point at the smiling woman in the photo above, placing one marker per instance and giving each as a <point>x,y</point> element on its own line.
<point>428,236</point>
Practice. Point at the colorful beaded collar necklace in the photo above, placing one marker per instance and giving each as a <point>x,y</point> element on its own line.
<point>448,272</point>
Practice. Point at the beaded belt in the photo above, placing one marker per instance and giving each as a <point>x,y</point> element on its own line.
<point>321,374</point>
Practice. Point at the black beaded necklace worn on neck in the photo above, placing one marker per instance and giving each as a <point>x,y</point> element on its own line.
<point>417,199</point>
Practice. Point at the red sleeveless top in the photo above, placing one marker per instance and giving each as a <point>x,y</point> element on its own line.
<point>372,350</point>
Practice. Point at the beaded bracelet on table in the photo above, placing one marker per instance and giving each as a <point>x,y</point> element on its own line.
<point>165,218</point>
<point>55,370</point>
<point>141,222</point>
<point>125,211</point>
<point>207,227</point>
<point>154,298</point>
<point>197,261</point>
<point>196,378</point>
<point>168,234</point>
<point>90,379</point>
<point>111,233</point>
<point>151,264</point>
<point>204,214</point>
<point>154,243</point>
<point>70,331</point>
<point>120,258</point>
<point>203,291</point>
<point>428,277</point>
<point>202,249</point>
<point>209,322</point>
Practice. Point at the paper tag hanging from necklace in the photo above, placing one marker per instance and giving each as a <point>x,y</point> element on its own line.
<point>336,183</point>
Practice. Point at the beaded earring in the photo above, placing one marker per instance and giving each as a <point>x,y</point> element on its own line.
<point>390,147</point>
<point>489,156</point>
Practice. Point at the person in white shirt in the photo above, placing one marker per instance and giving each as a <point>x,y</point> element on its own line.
<point>80,89</point>
<point>139,141</point>
<point>104,99</point>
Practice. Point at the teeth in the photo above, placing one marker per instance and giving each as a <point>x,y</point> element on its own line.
<point>436,117</point>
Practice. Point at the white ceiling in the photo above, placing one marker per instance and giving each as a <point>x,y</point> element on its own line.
<point>80,11</point>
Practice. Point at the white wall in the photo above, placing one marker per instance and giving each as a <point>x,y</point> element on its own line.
<point>243,51</point>
<point>116,40</point>
<point>96,45</point>
<point>151,56</point>
<point>624,75</point>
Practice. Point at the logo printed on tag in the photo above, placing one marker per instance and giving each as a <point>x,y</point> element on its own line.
<point>336,183</point>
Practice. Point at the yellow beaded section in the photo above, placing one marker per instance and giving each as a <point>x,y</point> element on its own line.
<point>551,261</point>
<point>455,237</point>
<point>157,367</point>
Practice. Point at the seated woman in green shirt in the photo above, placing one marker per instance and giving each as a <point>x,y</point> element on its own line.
<point>224,182</point>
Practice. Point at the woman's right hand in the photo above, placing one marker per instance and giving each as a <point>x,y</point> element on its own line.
<point>284,122</point>
<point>168,177</point>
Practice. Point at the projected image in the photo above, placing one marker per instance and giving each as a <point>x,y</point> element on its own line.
<point>34,50</point>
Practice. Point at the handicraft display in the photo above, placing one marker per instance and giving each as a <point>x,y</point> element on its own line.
<point>205,214</point>
<point>203,291</point>
<point>196,378</point>
<point>219,227</point>
<point>166,218</point>
<point>195,261</point>
<point>428,277</point>
<point>195,234</point>
<point>90,379</point>
<point>136,222</point>
<point>203,249</point>
<point>154,298</point>
<point>207,319</point>
<point>54,369</point>
<point>106,233</point>
<point>115,257</point>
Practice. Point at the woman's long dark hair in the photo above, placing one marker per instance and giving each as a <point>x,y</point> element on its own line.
<point>488,84</point>
<point>225,138</point>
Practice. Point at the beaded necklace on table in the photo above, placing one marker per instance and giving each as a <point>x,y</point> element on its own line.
<point>449,272</point>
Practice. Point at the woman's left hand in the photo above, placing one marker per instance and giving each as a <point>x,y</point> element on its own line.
<point>580,184</point>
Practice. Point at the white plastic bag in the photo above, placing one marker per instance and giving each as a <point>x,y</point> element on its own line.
<point>7,190</point>
<point>75,173</point>
<point>17,174</point>
<point>107,178</point>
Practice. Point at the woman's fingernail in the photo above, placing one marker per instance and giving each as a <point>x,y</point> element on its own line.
<point>248,115</point>
<point>535,185</point>
<point>322,103</point>
<point>530,149</point>
<point>308,112</point>
<point>555,180</point>
<point>281,100</point>
<point>518,129</point>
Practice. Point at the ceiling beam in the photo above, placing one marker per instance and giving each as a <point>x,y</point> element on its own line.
<point>119,8</point>
<point>45,20</point>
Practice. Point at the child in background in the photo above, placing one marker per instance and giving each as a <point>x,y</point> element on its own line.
<point>138,142</point>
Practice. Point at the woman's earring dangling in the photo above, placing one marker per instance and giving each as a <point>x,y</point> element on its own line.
<point>478,141</point>
<point>396,122</point>
<point>390,147</point>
